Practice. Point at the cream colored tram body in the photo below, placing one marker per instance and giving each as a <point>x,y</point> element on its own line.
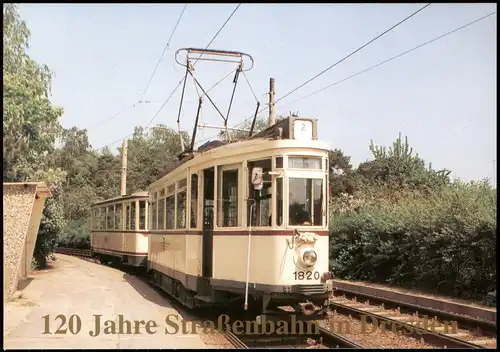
<point>211,219</point>
<point>119,229</point>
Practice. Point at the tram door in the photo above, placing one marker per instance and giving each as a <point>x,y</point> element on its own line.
<point>208,220</point>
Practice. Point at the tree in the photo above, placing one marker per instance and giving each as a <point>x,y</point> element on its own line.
<point>31,124</point>
<point>397,167</point>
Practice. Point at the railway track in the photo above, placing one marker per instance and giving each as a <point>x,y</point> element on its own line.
<point>83,253</point>
<point>323,339</point>
<point>435,331</point>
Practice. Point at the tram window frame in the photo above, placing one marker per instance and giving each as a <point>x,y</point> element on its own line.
<point>142,215</point>
<point>261,221</point>
<point>110,217</point>
<point>193,200</point>
<point>305,218</point>
<point>224,220</point>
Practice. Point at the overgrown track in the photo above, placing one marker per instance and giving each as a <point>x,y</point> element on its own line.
<point>83,253</point>
<point>335,340</point>
<point>432,331</point>
<point>466,314</point>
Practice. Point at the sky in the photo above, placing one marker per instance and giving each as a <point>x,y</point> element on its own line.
<point>441,96</point>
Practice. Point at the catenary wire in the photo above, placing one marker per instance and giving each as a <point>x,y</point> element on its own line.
<point>167,46</point>
<point>394,57</point>
<point>343,59</point>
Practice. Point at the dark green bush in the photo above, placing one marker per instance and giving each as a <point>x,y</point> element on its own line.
<point>444,242</point>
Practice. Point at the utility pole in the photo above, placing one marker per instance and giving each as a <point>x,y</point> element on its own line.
<point>272,111</point>
<point>123,188</point>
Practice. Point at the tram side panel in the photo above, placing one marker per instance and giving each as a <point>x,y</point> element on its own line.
<point>134,248</point>
<point>168,256</point>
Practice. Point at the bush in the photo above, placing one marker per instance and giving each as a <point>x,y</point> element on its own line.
<point>444,242</point>
<point>76,235</point>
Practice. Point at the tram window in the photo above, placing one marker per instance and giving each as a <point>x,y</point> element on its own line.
<point>102,218</point>
<point>181,210</point>
<point>170,207</point>
<point>228,199</point>
<point>154,205</point>
<point>279,201</point>
<point>142,215</point>
<point>301,162</point>
<point>132,215</point>
<point>194,200</point>
<point>161,213</point>
<point>118,217</point>
<point>110,218</point>
<point>279,162</point>
<point>262,210</point>
<point>127,217</point>
<point>306,202</point>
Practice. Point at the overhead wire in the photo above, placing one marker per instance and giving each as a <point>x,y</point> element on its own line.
<point>354,52</point>
<point>394,57</point>
<point>115,115</point>
<point>341,60</point>
<point>167,46</point>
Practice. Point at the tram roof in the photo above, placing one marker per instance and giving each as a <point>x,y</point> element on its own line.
<point>254,145</point>
<point>143,194</point>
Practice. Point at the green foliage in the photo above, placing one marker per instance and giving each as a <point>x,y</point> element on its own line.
<point>30,124</point>
<point>399,168</point>
<point>444,242</point>
<point>76,235</point>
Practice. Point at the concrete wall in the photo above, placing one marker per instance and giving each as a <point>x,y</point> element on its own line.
<point>22,211</point>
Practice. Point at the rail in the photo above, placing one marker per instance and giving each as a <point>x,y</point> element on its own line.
<point>76,252</point>
<point>430,305</point>
<point>234,340</point>
<point>443,340</point>
<point>333,339</point>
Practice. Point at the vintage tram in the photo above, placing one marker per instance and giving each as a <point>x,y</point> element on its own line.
<point>245,222</point>
<point>120,230</point>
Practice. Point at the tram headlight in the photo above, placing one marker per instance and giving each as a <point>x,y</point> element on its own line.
<point>309,257</point>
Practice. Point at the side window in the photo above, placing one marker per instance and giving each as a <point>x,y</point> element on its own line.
<point>279,162</point>
<point>170,206</point>
<point>261,212</point>
<point>154,205</point>
<point>279,201</point>
<point>118,216</point>
<point>110,217</point>
<point>142,215</point>
<point>181,210</point>
<point>102,218</point>
<point>132,215</point>
<point>194,200</point>
<point>127,216</point>
<point>228,198</point>
<point>161,210</point>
